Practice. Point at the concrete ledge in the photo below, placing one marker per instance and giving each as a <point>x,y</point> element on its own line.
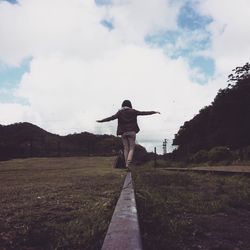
<point>124,232</point>
<point>213,171</point>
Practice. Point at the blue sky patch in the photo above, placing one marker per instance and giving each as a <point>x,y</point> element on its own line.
<point>9,79</point>
<point>103,2</point>
<point>188,40</point>
<point>11,76</point>
<point>8,96</point>
<point>190,19</point>
<point>205,64</point>
<point>107,24</point>
<point>162,38</point>
<point>191,42</point>
<point>10,1</point>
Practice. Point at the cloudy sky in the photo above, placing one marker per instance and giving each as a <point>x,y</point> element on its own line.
<point>66,63</point>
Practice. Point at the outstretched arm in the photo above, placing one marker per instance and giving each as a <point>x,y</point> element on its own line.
<point>113,117</point>
<point>147,112</point>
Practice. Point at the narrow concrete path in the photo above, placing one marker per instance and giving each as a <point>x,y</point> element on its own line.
<point>124,232</point>
<point>215,169</point>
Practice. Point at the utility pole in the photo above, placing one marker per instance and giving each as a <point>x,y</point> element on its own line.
<point>164,146</point>
<point>155,157</point>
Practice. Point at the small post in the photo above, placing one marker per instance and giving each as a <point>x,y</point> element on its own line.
<point>155,158</point>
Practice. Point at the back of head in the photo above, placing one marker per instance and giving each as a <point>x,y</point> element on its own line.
<point>126,103</point>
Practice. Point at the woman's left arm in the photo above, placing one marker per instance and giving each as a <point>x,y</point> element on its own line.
<point>147,112</point>
<point>113,117</point>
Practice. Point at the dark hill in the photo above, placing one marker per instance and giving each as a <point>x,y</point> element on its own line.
<point>21,140</point>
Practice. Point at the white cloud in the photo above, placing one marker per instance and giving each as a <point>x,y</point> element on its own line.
<point>35,28</point>
<point>229,32</point>
<point>12,112</point>
<point>42,27</point>
<point>70,95</point>
<point>133,20</point>
<point>80,71</point>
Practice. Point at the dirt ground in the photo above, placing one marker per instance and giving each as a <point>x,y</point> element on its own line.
<point>222,231</point>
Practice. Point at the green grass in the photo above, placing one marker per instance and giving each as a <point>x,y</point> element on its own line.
<point>57,203</point>
<point>180,210</point>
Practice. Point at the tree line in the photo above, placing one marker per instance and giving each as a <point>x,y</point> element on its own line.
<point>22,140</point>
<point>225,122</point>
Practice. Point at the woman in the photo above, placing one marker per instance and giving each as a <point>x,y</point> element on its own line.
<point>128,127</point>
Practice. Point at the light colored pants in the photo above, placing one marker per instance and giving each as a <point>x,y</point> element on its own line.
<point>128,140</point>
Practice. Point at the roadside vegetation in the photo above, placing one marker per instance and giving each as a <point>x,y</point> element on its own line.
<point>57,203</point>
<point>221,155</point>
<point>217,156</point>
<point>180,210</point>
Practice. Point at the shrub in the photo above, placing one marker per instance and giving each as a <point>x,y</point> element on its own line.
<point>200,156</point>
<point>140,155</point>
<point>246,153</point>
<point>218,154</point>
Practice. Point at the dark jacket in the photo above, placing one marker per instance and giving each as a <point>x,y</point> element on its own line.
<point>127,119</point>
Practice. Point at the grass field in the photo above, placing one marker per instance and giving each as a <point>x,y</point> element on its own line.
<point>180,210</point>
<point>67,203</point>
<point>57,203</point>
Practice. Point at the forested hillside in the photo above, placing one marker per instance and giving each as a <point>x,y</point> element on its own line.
<point>22,140</point>
<point>226,122</point>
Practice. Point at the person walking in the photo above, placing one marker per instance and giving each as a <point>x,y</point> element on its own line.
<point>127,127</point>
